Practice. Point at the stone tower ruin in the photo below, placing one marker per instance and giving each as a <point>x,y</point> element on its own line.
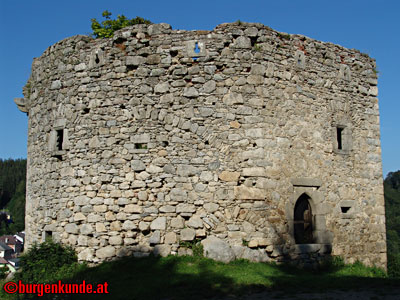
<point>261,145</point>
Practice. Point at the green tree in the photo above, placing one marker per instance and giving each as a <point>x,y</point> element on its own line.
<point>106,28</point>
<point>47,262</point>
<point>12,193</point>
<point>16,208</point>
<point>12,172</point>
<point>392,205</point>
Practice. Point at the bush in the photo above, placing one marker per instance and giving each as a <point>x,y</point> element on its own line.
<point>195,245</point>
<point>48,262</point>
<point>107,28</point>
<point>394,265</point>
<point>3,272</point>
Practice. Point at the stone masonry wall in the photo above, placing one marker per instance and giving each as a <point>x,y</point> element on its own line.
<point>157,138</point>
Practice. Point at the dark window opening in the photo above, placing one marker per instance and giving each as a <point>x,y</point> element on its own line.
<point>119,43</point>
<point>339,137</point>
<point>299,61</point>
<point>48,235</point>
<point>131,68</point>
<point>345,209</point>
<point>60,138</point>
<point>140,145</point>
<point>97,59</point>
<point>303,227</point>
<point>173,53</point>
<point>253,40</point>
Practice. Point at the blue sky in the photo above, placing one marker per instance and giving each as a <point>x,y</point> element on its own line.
<point>28,27</point>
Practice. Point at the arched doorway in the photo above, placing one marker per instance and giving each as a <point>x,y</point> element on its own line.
<point>303,221</point>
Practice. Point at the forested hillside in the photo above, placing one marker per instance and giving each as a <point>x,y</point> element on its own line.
<point>12,193</point>
<point>392,201</point>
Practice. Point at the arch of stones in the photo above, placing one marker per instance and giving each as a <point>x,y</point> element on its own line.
<point>156,139</point>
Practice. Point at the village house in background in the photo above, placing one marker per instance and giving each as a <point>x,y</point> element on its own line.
<point>260,144</point>
<point>11,246</point>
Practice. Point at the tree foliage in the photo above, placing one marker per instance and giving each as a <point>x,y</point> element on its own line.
<point>12,172</point>
<point>12,193</point>
<point>47,262</point>
<point>392,204</point>
<point>106,28</point>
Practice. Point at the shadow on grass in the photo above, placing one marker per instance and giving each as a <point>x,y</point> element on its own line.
<point>189,277</point>
<point>334,277</point>
<point>157,278</point>
<point>199,278</point>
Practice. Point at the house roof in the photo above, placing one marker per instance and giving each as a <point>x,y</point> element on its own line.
<point>21,234</point>
<point>4,247</point>
<point>3,261</point>
<point>9,240</point>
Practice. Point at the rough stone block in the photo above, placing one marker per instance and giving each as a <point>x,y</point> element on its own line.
<point>159,224</point>
<point>155,238</point>
<point>254,172</point>
<point>86,229</point>
<point>187,234</point>
<point>217,249</point>
<point>71,228</point>
<point>229,176</point>
<point>129,225</point>
<point>162,250</point>
<point>195,222</point>
<point>211,207</point>
<point>249,193</point>
<point>177,223</point>
<point>105,252</point>
<point>170,238</point>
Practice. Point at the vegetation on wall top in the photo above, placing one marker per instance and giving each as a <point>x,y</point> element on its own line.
<point>106,28</point>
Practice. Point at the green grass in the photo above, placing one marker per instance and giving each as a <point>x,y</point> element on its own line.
<point>189,277</point>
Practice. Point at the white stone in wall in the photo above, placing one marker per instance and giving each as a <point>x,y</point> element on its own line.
<point>159,224</point>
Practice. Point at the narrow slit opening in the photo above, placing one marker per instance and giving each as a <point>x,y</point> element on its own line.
<point>339,137</point>
<point>140,146</point>
<point>60,138</point>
